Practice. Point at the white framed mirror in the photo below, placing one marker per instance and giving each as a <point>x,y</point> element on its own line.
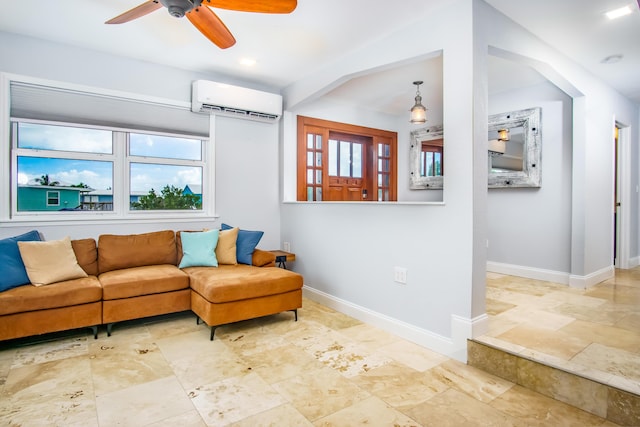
<point>515,149</point>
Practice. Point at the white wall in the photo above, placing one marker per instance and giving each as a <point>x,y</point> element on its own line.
<point>530,228</point>
<point>246,162</point>
<point>347,251</point>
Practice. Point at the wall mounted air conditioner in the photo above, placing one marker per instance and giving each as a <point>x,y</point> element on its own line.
<point>235,101</point>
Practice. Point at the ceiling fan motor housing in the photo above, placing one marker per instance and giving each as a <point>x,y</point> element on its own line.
<point>177,8</point>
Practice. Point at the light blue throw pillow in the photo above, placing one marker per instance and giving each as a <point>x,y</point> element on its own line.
<point>13,272</point>
<point>199,249</point>
<point>246,244</point>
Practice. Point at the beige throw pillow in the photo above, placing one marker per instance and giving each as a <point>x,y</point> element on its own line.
<point>226,248</point>
<point>51,261</point>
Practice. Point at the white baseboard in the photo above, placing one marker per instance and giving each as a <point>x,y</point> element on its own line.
<point>634,262</point>
<point>584,282</point>
<point>455,347</point>
<point>529,272</point>
<point>574,281</point>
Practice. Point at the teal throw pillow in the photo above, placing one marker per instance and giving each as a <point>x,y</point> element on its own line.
<point>199,249</point>
<point>246,244</point>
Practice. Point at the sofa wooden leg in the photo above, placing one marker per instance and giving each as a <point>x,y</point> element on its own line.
<point>295,312</point>
<point>213,331</point>
<point>95,332</point>
<point>109,326</point>
<point>197,320</point>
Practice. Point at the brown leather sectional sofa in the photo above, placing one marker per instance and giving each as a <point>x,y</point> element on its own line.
<point>136,276</point>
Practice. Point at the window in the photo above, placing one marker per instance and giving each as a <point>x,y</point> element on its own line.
<point>62,167</point>
<point>341,162</point>
<point>53,198</point>
<point>80,153</point>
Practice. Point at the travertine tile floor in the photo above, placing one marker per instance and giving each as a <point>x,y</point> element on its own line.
<point>593,332</point>
<point>327,369</point>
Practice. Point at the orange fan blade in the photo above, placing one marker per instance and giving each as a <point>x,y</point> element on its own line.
<point>205,20</point>
<point>136,12</point>
<point>262,6</point>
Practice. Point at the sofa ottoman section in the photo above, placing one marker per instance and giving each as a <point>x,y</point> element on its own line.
<point>231,293</point>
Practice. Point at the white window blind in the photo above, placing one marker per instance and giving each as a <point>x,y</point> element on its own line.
<point>33,101</point>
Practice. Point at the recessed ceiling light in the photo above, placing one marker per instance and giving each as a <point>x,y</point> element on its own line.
<point>248,62</point>
<point>612,59</point>
<point>617,13</point>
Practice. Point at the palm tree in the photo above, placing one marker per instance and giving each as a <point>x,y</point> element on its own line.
<point>44,180</point>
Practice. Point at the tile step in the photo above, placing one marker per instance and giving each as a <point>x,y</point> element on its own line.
<point>604,400</point>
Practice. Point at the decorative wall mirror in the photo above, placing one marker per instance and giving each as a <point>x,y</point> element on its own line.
<point>426,158</point>
<point>515,149</point>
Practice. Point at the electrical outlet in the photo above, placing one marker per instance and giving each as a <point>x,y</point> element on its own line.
<point>286,246</point>
<point>400,275</point>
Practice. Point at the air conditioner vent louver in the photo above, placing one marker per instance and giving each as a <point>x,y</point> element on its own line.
<point>234,101</point>
<point>237,112</point>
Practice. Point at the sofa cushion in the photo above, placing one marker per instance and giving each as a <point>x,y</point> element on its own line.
<point>237,282</point>
<point>51,261</point>
<point>146,280</point>
<point>13,271</point>
<point>198,248</point>
<point>87,255</point>
<point>61,294</point>
<point>226,248</point>
<point>136,250</point>
<point>246,243</point>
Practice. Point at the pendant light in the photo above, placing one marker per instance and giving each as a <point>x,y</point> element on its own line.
<point>418,111</point>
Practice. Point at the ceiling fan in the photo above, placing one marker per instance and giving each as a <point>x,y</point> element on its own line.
<point>205,19</point>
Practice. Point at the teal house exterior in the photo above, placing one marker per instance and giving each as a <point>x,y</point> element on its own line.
<point>49,198</point>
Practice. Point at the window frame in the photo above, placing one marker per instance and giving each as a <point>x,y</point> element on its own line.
<point>121,209</point>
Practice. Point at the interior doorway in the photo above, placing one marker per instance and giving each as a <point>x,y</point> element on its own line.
<point>616,197</point>
<point>621,197</point>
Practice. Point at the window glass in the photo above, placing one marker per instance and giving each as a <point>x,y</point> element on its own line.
<point>64,138</point>
<point>356,161</point>
<point>333,157</point>
<point>168,147</point>
<point>74,178</point>
<point>345,158</point>
<point>163,187</point>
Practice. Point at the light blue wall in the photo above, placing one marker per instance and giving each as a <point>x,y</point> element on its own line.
<point>348,251</point>
<point>523,229</point>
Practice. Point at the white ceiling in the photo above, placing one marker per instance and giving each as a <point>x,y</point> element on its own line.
<point>289,47</point>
